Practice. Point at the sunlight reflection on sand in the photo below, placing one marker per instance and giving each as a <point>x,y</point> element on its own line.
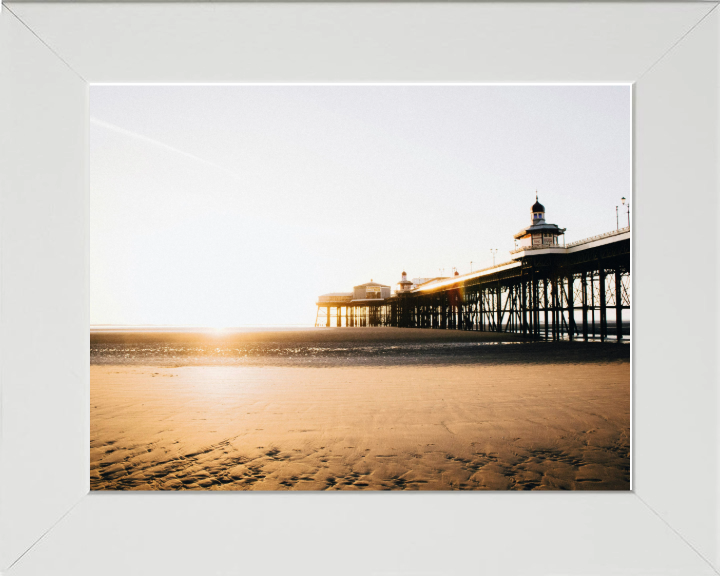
<point>453,425</point>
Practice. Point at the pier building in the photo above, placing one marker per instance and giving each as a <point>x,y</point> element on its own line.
<point>371,291</point>
<point>404,285</point>
<point>546,289</point>
<point>348,302</point>
<point>539,233</point>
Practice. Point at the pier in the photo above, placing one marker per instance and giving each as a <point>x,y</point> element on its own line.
<point>546,290</point>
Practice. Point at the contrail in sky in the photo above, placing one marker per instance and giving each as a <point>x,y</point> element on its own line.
<point>148,140</point>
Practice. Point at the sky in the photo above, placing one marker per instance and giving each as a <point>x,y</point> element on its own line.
<point>231,206</point>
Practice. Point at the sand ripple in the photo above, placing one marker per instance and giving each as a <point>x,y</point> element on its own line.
<point>450,427</point>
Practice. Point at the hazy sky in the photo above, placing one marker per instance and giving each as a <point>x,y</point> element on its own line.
<point>239,205</point>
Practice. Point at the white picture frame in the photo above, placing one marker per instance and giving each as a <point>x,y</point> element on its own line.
<point>50,53</point>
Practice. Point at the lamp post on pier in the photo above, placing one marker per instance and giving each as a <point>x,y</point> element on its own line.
<point>628,209</point>
<point>493,251</point>
<point>617,221</point>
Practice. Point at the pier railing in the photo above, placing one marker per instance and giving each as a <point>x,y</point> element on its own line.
<point>572,244</point>
<point>335,298</point>
<point>599,237</point>
<point>542,247</point>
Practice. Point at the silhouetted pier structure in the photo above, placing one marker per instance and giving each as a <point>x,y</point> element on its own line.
<point>546,291</point>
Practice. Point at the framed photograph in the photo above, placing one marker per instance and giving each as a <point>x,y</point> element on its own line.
<point>220,361</point>
<point>133,477</point>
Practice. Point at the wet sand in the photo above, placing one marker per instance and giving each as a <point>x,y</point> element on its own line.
<point>336,347</point>
<point>504,417</point>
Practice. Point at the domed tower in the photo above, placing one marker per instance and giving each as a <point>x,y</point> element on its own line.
<point>539,234</point>
<point>404,285</point>
<point>538,212</point>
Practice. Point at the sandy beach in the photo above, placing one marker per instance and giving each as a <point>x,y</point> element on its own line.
<point>538,416</point>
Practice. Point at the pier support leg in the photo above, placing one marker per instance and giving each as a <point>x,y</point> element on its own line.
<point>556,324</point>
<point>592,302</point>
<point>571,306</point>
<point>618,304</point>
<point>535,308</point>
<point>327,323</point>
<point>584,306</point>
<point>545,302</point>
<point>603,306</point>
<point>476,311</point>
<point>524,308</point>
<point>481,309</point>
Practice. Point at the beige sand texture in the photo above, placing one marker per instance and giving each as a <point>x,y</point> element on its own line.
<point>438,427</point>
